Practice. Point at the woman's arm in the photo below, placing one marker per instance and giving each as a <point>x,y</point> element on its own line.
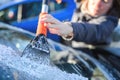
<point>95,31</point>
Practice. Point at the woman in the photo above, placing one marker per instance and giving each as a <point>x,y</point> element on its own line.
<point>92,23</point>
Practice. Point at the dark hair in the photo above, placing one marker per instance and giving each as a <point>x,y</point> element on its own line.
<point>115,9</point>
<point>77,0</point>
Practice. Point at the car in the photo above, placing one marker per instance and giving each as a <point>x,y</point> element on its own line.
<point>24,13</point>
<point>102,65</point>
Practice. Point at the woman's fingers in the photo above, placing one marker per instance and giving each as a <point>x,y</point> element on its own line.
<point>54,31</point>
<point>55,26</point>
<point>52,25</point>
<point>49,19</point>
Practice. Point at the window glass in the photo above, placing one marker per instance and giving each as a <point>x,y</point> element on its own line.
<point>9,14</point>
<point>26,11</point>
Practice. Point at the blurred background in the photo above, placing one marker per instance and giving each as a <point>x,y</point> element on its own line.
<point>18,23</point>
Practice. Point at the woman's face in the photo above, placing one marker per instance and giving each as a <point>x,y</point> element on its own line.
<point>99,7</point>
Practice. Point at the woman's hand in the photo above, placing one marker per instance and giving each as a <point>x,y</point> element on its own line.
<point>55,26</point>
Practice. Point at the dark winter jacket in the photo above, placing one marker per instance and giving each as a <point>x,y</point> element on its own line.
<point>93,30</point>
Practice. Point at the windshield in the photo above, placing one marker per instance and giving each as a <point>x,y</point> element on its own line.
<point>67,62</point>
<point>66,59</point>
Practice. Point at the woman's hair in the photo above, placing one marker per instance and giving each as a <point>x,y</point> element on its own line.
<point>80,3</point>
<point>77,0</point>
<point>114,10</point>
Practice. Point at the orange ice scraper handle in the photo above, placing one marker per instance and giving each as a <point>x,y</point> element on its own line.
<point>41,28</point>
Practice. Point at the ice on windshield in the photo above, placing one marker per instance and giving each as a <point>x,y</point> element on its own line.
<point>30,70</point>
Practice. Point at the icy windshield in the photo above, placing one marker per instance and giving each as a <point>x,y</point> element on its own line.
<point>18,42</point>
<point>72,63</point>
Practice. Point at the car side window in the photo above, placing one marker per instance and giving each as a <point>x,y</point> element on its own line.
<point>9,14</point>
<point>27,10</point>
<point>54,6</point>
<point>33,9</point>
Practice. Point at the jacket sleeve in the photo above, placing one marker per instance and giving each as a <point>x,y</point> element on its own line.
<point>96,31</point>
